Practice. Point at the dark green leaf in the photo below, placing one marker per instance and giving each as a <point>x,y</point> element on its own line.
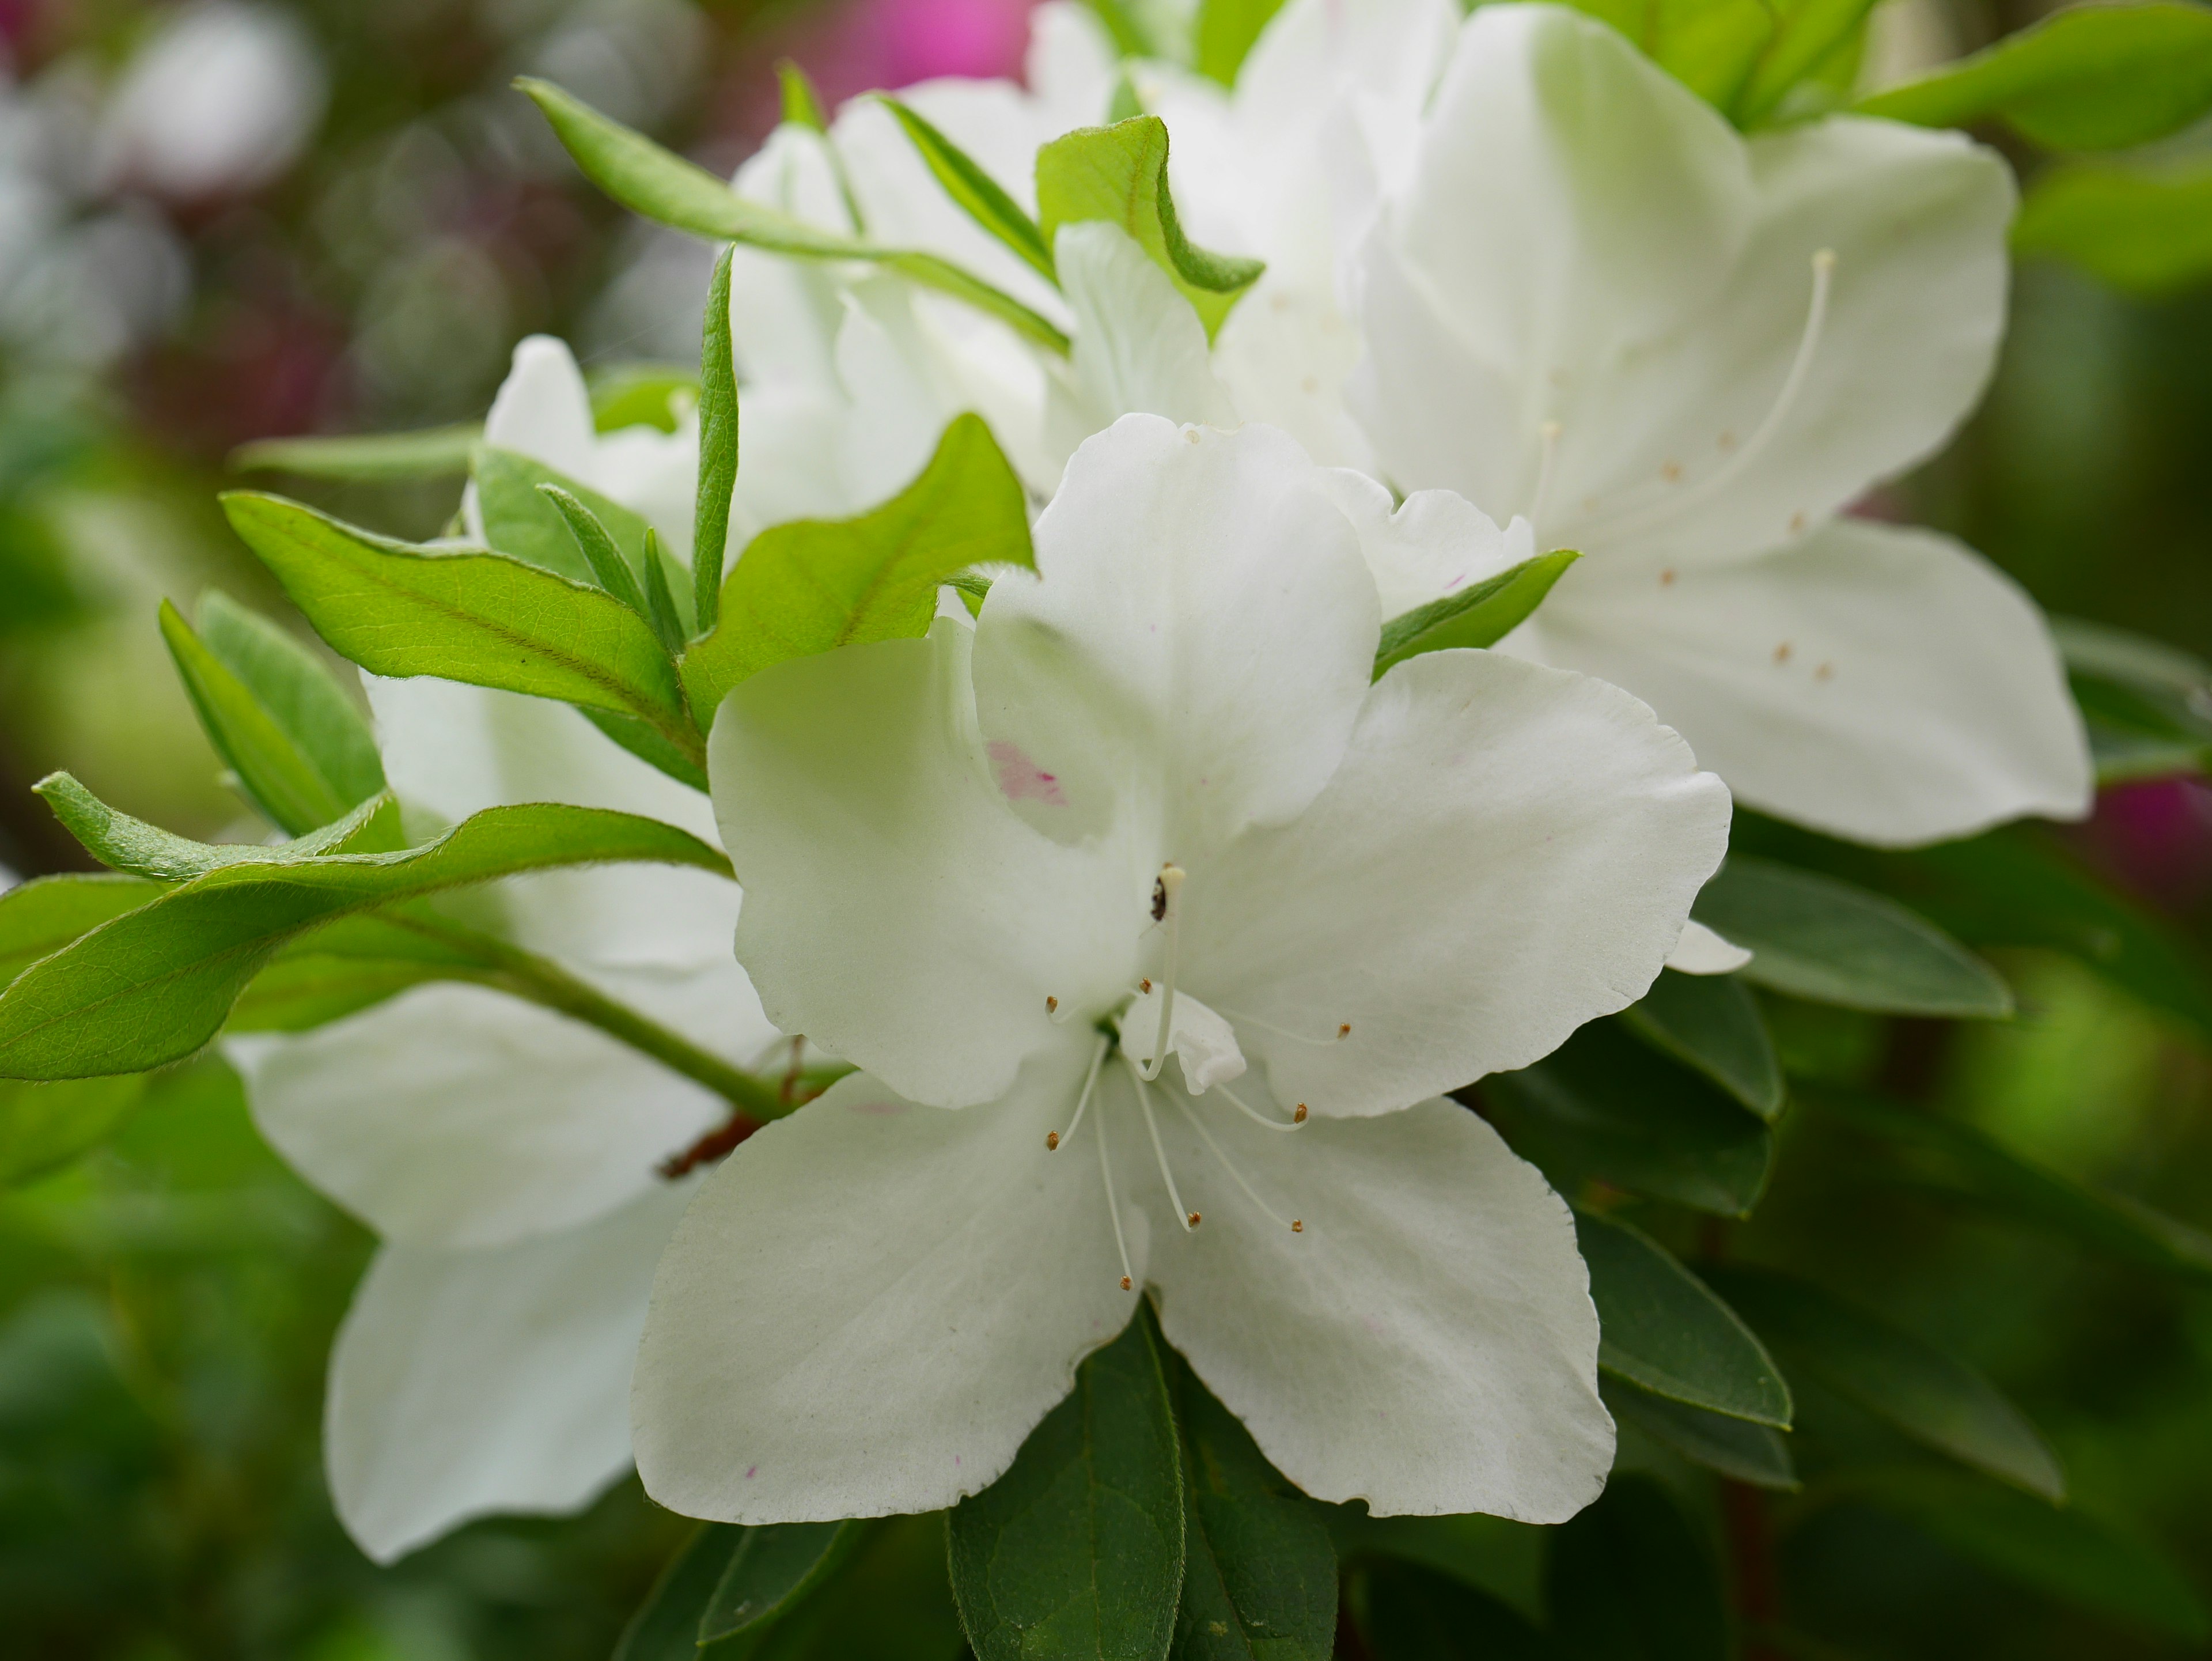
<point>1120,175</point>
<point>1502,1558</point>
<point>1223,33</point>
<point>1664,1330</point>
<point>666,1625</point>
<point>1259,1571</point>
<point>1829,941</point>
<point>1712,1023</point>
<point>1482,615</point>
<point>1735,1447</point>
<point>1604,1106</point>
<point>974,192</point>
<point>2088,78</point>
<point>1076,1552</point>
<point>2146,230</point>
<point>1407,1613</point>
<point>482,619</point>
<point>812,584</point>
<point>1630,1576</point>
<point>773,1568</point>
<point>647,180</point>
<point>432,453</point>
<point>718,449</point>
<point>1930,1396</point>
<point>42,916</point>
<point>156,983</point>
<point>299,992</point>
<point>43,1126</point>
<point>123,844</point>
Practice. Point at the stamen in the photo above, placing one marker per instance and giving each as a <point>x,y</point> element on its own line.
<point>1055,1138</point>
<point>1230,1165</point>
<point>1800,367</point>
<point>1164,890</point>
<point>1112,1205</point>
<point>1256,1116</point>
<point>1342,1032</point>
<point>1160,1151</point>
<point>1549,433</point>
<point>1052,1008</point>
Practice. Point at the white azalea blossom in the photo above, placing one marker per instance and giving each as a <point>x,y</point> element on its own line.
<point>1152,794</point>
<point>1683,352</point>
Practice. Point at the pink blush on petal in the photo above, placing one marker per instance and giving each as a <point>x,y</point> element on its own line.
<point>1021,779</point>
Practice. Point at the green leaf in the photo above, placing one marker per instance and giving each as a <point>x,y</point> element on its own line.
<point>666,1625</point>
<point>802,104</point>
<point>773,1568</point>
<point>482,619</point>
<point>647,743</point>
<point>1735,1447</point>
<point>660,610</point>
<point>1807,35</point>
<point>718,449</point>
<point>641,395</point>
<point>977,194</point>
<point>1259,1570</point>
<point>1630,1576</point>
<point>313,712</point>
<point>431,452</point>
<point>1120,175</point>
<point>1662,1329</point>
<point>123,843</point>
<point>2087,78</point>
<point>523,523</point>
<point>45,1126</point>
<point>1819,939</point>
<point>1711,46</point>
<point>812,585</point>
<point>299,992</point>
<point>609,568</point>
<point>1077,1550</point>
<point>2148,231</point>
<point>1965,1161</point>
<point>1480,616</point>
<point>890,1603</point>
<point>1223,34</point>
<point>647,180</point>
<point>2148,705</point>
<point>39,917</point>
<point>2063,1554</point>
<point>1712,1023</point>
<point>1932,1397</point>
<point>1409,1613</point>
<point>152,985</point>
<point>1604,1107</point>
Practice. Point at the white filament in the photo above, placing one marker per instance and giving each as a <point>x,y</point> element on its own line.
<point>1089,1082</point>
<point>1159,1150</point>
<point>1229,1164</point>
<point>1254,1113</point>
<point>1112,1205</point>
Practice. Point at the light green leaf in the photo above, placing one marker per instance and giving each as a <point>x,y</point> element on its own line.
<point>718,449</point>
<point>666,1625</point>
<point>1712,1023</point>
<point>1076,1553</point>
<point>802,104</point>
<point>1662,1329</point>
<point>812,584</point>
<point>523,523</point>
<point>1829,941</point>
<point>773,1568</point>
<point>1711,46</point>
<point>1807,35</point>
<point>647,743</point>
<point>139,850</point>
<point>1481,615</point>
<point>2148,231</point>
<point>431,452</point>
<point>1630,1576</point>
<point>641,395</point>
<point>1120,175</point>
<point>647,180</point>
<point>2088,78</point>
<point>1930,1396</point>
<point>482,619</point>
<point>1223,34</point>
<point>292,685</point>
<point>302,991</point>
<point>44,1126</point>
<point>1604,1107</point>
<point>156,983</point>
<point>1735,1447</point>
<point>978,194</point>
<point>39,917</point>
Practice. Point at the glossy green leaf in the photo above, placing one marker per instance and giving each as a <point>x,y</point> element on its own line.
<point>322,719</point>
<point>2063,1554</point>
<point>718,449</point>
<point>1502,1558</point>
<point>430,453</point>
<point>1481,615</point>
<point>772,1569</point>
<point>45,1126</point>
<point>1931,1396</point>
<point>482,619</point>
<point>1076,1553</point>
<point>812,585</point>
<point>1630,1576</point>
<point>1409,1613</point>
<point>1605,1107</point>
<point>1120,175</point>
<point>666,1625</point>
<point>2091,77</point>
<point>648,179</point>
<point>39,917</point>
<point>978,194</point>
<point>1712,1023</point>
<point>1829,941</point>
<point>2148,231</point>
<point>1223,33</point>
<point>1259,1570</point>
<point>152,985</point>
<point>139,850</point>
<point>1735,1447</point>
<point>1663,1330</point>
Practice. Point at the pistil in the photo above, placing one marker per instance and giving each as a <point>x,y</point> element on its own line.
<point>1165,889</point>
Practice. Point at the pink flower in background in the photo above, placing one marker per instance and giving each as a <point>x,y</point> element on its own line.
<point>2156,837</point>
<point>868,44</point>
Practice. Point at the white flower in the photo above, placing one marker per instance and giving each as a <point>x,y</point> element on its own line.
<point>1156,789</point>
<point>1684,352</point>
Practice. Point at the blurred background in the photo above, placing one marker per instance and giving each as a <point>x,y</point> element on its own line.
<point>236,219</point>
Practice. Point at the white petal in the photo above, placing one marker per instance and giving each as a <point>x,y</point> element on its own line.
<point>1434,545</point>
<point>1205,1045</point>
<point>1284,356</point>
<point>1071,64</point>
<point>1425,1342</point>
<point>456,1115</point>
<point>468,1383</point>
<point>897,913</point>
<point>655,475</point>
<point>1505,854</point>
<point>869,1306</point>
<point>1702,951</point>
<point>1139,345</point>
<point>1197,648</point>
<point>1885,684</point>
<point>542,410</point>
